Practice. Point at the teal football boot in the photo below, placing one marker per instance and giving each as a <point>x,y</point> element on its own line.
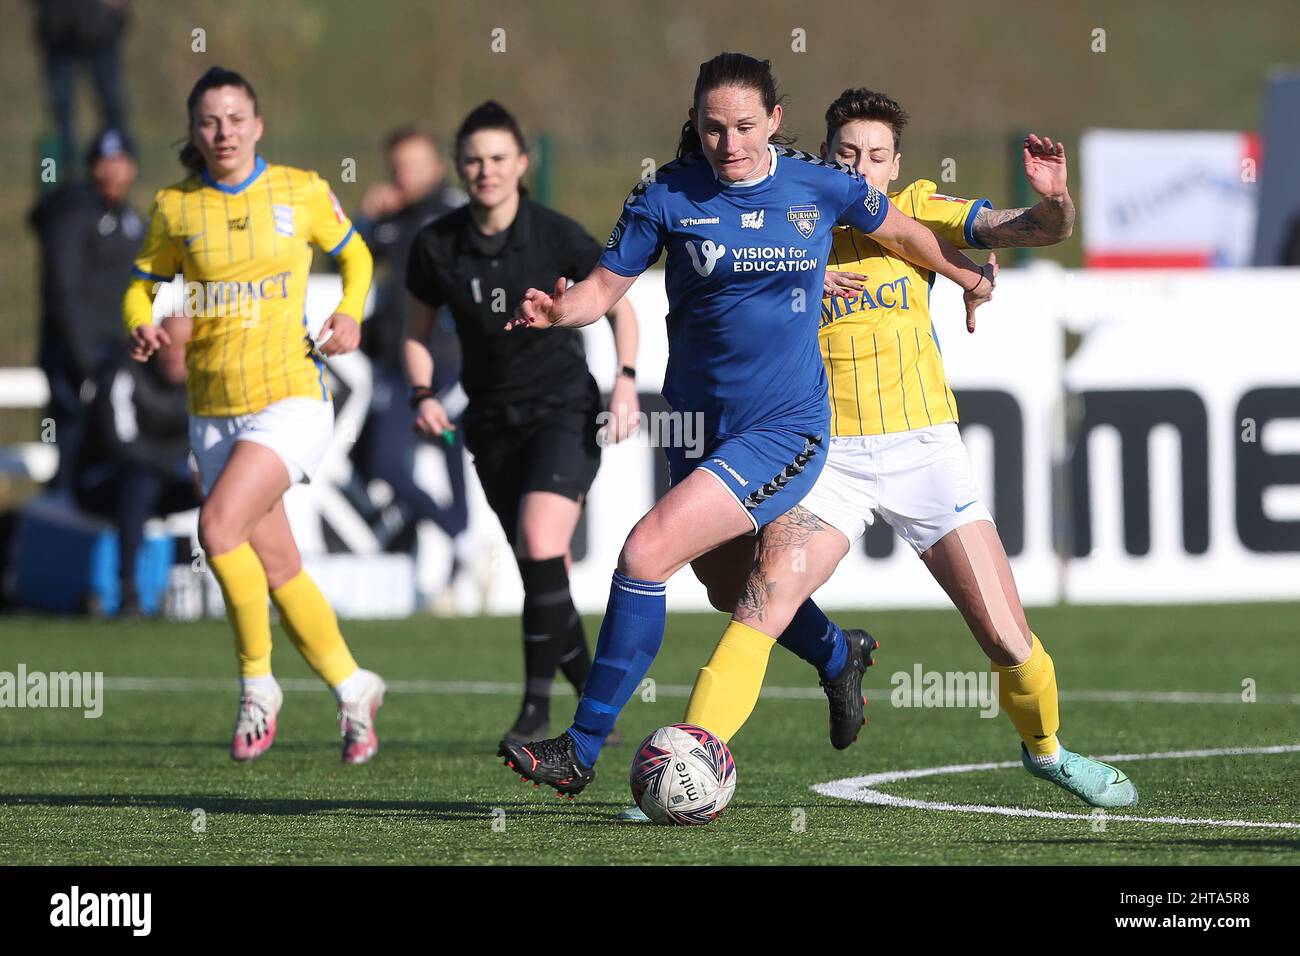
<point>1095,783</point>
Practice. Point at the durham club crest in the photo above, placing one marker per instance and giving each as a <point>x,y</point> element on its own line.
<point>805,219</point>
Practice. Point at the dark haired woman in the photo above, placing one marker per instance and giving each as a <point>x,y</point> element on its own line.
<point>534,414</point>
<point>747,228</point>
<point>261,415</point>
<point>895,449</point>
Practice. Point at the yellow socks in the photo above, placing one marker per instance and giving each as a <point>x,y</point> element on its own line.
<point>306,615</point>
<point>313,628</point>
<point>727,688</point>
<point>1027,693</point>
<point>243,585</point>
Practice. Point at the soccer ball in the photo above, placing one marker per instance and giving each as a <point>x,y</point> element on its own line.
<point>683,775</point>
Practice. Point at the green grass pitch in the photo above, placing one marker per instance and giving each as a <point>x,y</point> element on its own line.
<point>124,788</point>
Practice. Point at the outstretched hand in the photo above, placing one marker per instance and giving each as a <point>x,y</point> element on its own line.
<point>539,310</point>
<point>1045,166</point>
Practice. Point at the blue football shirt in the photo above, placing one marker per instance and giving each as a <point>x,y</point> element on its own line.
<point>745,268</point>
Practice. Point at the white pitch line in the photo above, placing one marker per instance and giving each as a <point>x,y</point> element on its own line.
<point>862,790</point>
<point>1171,697</point>
<point>506,688</point>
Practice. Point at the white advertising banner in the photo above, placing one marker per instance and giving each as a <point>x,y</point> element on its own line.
<point>1168,198</point>
<point>1186,464</point>
<point>1165,451</point>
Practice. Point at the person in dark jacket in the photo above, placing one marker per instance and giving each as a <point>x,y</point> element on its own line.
<point>133,463</point>
<point>89,235</point>
<point>392,212</point>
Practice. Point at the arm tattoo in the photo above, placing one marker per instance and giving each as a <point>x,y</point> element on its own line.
<point>778,548</point>
<point>1043,225</point>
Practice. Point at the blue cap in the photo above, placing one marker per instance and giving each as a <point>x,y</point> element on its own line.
<point>107,144</point>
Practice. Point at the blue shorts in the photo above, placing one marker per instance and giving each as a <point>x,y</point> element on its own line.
<point>767,470</point>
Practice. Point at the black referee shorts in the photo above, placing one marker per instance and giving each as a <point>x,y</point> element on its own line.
<point>555,450</point>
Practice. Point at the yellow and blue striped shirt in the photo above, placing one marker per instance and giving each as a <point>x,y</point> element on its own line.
<point>245,255</point>
<point>882,356</point>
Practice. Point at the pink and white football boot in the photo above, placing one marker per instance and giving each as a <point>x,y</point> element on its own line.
<point>255,723</point>
<point>357,719</point>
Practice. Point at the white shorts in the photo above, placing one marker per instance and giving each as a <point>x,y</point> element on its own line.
<point>919,481</point>
<point>296,429</point>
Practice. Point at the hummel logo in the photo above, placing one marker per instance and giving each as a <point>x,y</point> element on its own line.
<point>752,220</point>
<point>729,470</point>
<point>961,508</point>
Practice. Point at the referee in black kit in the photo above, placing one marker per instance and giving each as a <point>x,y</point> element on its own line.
<point>531,424</point>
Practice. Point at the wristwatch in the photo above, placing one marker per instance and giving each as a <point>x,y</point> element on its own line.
<point>629,371</point>
<point>419,393</point>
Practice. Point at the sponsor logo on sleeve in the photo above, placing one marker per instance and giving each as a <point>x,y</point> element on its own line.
<point>339,214</point>
<point>872,202</point>
<point>617,232</point>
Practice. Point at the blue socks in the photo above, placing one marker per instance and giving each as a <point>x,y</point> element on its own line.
<point>630,637</point>
<point>817,639</point>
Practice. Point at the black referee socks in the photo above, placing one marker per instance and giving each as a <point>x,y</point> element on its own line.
<point>575,659</point>
<point>548,620</point>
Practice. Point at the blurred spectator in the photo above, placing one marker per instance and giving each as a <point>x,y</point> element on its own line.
<point>88,236</point>
<point>133,463</point>
<point>416,176</point>
<point>391,214</point>
<point>73,34</point>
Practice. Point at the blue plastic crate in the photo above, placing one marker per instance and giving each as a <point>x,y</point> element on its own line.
<point>66,562</point>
